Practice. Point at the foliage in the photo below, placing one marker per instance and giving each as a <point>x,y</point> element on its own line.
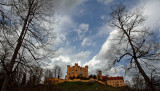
<point>92,76</point>
<point>72,77</point>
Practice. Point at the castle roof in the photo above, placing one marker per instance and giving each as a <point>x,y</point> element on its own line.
<point>113,78</point>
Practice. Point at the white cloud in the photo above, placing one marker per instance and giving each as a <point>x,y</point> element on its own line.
<point>87,42</point>
<point>68,58</point>
<point>63,25</point>
<point>81,11</point>
<point>151,10</point>
<point>66,6</point>
<point>102,17</point>
<point>93,65</point>
<point>116,71</point>
<point>104,30</point>
<point>105,1</point>
<point>62,59</point>
<point>100,61</point>
<point>82,55</point>
<point>82,29</point>
<point>63,20</point>
<point>62,28</point>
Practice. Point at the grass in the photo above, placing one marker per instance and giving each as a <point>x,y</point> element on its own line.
<point>73,86</point>
<point>86,86</point>
<point>70,86</point>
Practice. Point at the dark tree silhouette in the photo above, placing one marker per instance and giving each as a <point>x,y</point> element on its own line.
<point>24,37</point>
<point>133,41</point>
<point>90,76</point>
<point>57,71</point>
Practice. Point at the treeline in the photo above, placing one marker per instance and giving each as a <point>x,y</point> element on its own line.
<point>29,78</point>
<point>135,46</point>
<point>137,83</point>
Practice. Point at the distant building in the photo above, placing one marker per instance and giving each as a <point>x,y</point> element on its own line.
<point>113,81</point>
<point>76,71</point>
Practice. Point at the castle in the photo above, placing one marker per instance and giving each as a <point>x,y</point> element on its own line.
<point>76,71</point>
<point>112,81</point>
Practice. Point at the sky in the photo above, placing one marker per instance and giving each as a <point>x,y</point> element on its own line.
<point>82,32</point>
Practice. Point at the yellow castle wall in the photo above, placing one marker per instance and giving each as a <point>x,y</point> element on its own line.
<point>115,83</point>
<point>76,70</point>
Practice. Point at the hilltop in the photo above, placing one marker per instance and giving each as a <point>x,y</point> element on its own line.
<point>72,86</point>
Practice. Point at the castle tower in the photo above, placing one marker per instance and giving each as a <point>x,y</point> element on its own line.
<point>86,71</point>
<point>68,71</point>
<point>76,64</point>
<point>76,71</point>
<point>99,75</point>
<point>76,68</point>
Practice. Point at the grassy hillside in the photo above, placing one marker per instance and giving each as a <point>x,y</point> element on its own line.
<point>86,86</point>
<point>70,86</point>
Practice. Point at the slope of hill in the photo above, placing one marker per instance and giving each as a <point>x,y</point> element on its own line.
<point>87,86</point>
<point>71,86</point>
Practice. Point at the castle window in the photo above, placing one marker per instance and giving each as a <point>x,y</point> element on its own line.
<point>81,72</point>
<point>117,84</point>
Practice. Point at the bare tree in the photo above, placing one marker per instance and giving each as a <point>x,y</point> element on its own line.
<point>35,76</point>
<point>155,78</point>
<point>48,73</point>
<point>138,82</point>
<point>60,72</point>
<point>57,71</point>
<point>133,41</point>
<point>24,36</point>
<point>24,80</point>
<point>127,83</point>
<point>38,72</point>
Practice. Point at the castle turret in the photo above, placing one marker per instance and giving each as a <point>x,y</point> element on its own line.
<point>68,71</point>
<point>99,75</point>
<point>86,66</point>
<point>86,69</point>
<point>76,64</point>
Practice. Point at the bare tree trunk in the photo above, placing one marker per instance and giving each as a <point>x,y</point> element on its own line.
<point>127,22</point>
<point>5,83</point>
<point>12,62</point>
<point>146,78</point>
<point>30,12</point>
